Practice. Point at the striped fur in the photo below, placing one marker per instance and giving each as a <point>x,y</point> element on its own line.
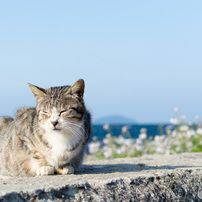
<point>48,139</point>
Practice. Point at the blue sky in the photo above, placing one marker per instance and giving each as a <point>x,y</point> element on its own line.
<point>139,59</point>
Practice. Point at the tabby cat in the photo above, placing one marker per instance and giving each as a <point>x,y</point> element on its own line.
<point>48,139</point>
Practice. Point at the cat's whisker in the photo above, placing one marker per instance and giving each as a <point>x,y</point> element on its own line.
<point>75,132</point>
<point>76,125</point>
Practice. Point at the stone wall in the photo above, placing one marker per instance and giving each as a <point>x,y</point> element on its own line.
<point>150,178</point>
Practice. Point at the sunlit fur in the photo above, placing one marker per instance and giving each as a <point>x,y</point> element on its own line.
<point>48,139</point>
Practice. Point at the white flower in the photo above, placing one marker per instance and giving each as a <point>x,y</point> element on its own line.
<point>168,131</point>
<point>121,150</point>
<point>94,138</point>
<point>167,151</point>
<point>106,141</point>
<point>143,136</point>
<point>106,126</point>
<point>184,128</point>
<point>180,135</point>
<point>129,142</point>
<point>190,133</point>
<point>197,118</point>
<point>138,147</point>
<point>160,150</point>
<point>189,145</point>
<point>174,133</point>
<point>124,129</point>
<point>177,149</point>
<point>199,131</point>
<point>108,135</point>
<point>157,138</point>
<point>183,118</point>
<point>190,123</point>
<point>143,130</point>
<point>139,141</point>
<point>176,109</point>
<point>120,139</point>
<point>93,147</point>
<point>107,151</point>
<point>169,127</point>
<point>174,121</point>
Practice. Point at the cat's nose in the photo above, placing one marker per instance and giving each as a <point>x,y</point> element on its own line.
<point>54,123</point>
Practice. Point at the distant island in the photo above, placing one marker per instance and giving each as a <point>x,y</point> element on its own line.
<point>115,119</point>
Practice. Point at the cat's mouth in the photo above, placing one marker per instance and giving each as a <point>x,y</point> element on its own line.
<point>56,129</point>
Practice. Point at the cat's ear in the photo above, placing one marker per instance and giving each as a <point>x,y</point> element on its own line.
<point>38,92</point>
<point>78,87</point>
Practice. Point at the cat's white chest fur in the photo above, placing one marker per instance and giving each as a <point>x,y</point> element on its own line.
<point>61,143</point>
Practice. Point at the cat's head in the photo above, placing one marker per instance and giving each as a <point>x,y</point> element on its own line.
<point>59,107</point>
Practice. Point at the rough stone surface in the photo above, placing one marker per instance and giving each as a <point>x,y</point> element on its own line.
<point>150,178</point>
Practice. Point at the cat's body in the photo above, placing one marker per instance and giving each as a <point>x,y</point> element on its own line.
<point>48,139</point>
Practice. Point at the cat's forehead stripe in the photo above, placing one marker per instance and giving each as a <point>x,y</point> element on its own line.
<point>56,94</point>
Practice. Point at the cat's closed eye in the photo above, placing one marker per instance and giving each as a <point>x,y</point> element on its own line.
<point>44,113</point>
<point>63,112</point>
<point>74,108</point>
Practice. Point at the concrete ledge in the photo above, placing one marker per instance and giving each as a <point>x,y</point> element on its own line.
<point>151,178</point>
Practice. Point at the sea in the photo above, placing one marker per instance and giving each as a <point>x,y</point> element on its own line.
<point>152,130</point>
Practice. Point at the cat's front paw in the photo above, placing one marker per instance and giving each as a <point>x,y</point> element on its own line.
<point>66,170</point>
<point>45,170</point>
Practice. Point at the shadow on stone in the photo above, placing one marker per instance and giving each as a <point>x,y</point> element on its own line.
<point>112,168</point>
